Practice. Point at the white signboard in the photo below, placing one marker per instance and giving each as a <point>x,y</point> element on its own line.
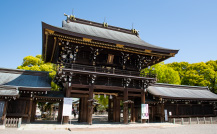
<point>166,115</point>
<point>67,106</point>
<point>144,111</point>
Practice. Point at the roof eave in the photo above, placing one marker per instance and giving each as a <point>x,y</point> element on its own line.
<point>60,30</point>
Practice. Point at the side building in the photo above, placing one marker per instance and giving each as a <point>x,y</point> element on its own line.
<point>18,89</point>
<point>180,101</point>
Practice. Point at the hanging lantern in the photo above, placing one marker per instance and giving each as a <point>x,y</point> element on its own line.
<point>98,96</point>
<point>104,95</point>
<point>93,95</point>
<point>110,97</point>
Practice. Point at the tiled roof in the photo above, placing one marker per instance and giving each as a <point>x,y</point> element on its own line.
<point>181,92</point>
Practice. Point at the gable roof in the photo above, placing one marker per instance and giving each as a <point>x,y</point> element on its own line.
<point>24,79</point>
<point>94,31</point>
<point>169,91</point>
<point>112,36</point>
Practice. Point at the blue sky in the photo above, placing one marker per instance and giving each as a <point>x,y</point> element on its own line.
<point>187,25</point>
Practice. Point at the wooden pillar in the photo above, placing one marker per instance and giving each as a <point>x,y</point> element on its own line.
<point>33,111</point>
<point>90,106</point>
<point>118,110</point>
<point>60,112</point>
<point>4,112</point>
<point>67,94</point>
<point>79,116</point>
<point>132,117</point>
<point>84,108</point>
<point>114,108</point>
<point>29,111</point>
<point>125,111</point>
<point>85,102</point>
<point>110,114</point>
<point>162,112</point>
<point>177,109</point>
<point>143,102</point>
<point>136,115</point>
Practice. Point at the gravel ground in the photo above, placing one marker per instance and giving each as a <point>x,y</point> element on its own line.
<point>155,129</point>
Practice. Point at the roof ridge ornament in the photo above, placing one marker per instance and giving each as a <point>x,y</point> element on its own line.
<point>135,31</point>
<point>70,17</point>
<point>105,24</point>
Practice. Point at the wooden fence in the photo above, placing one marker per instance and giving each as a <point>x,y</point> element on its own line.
<point>195,120</point>
<point>13,122</point>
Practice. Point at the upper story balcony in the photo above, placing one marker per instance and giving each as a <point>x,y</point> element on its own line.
<point>108,71</point>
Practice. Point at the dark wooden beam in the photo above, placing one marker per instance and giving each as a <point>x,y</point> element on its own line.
<point>90,106</point>
<point>60,110</point>
<point>34,89</point>
<point>134,90</point>
<point>30,110</point>
<point>110,114</point>
<point>79,86</point>
<point>107,74</point>
<point>132,111</point>
<point>79,91</point>
<point>135,95</point>
<point>51,101</point>
<point>33,111</point>
<point>125,111</point>
<point>78,95</point>
<point>113,88</point>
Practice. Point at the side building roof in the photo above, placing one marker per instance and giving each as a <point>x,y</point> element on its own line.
<point>169,91</point>
<point>25,80</point>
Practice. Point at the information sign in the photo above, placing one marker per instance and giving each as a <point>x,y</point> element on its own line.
<point>166,114</point>
<point>67,106</point>
<point>144,111</point>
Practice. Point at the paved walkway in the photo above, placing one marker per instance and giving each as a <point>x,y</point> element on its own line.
<point>94,126</point>
<point>127,129</point>
<point>99,121</point>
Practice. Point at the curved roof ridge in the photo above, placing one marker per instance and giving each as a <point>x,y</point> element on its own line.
<point>179,86</point>
<point>18,71</point>
<point>109,34</point>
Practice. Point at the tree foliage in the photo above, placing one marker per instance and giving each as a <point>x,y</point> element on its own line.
<point>37,64</point>
<point>195,74</point>
<point>103,101</point>
<point>165,74</point>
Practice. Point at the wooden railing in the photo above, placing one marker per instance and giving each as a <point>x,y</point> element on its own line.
<point>110,70</point>
<point>13,122</point>
<point>194,120</point>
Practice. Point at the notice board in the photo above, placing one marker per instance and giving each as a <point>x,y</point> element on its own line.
<point>144,111</point>
<point>67,106</point>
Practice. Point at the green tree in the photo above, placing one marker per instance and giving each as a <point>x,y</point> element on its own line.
<point>103,101</point>
<point>198,74</point>
<point>213,81</point>
<point>165,74</point>
<point>37,64</point>
<point>181,67</point>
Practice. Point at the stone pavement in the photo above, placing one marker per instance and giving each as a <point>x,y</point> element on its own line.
<point>94,126</point>
<point>151,128</point>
